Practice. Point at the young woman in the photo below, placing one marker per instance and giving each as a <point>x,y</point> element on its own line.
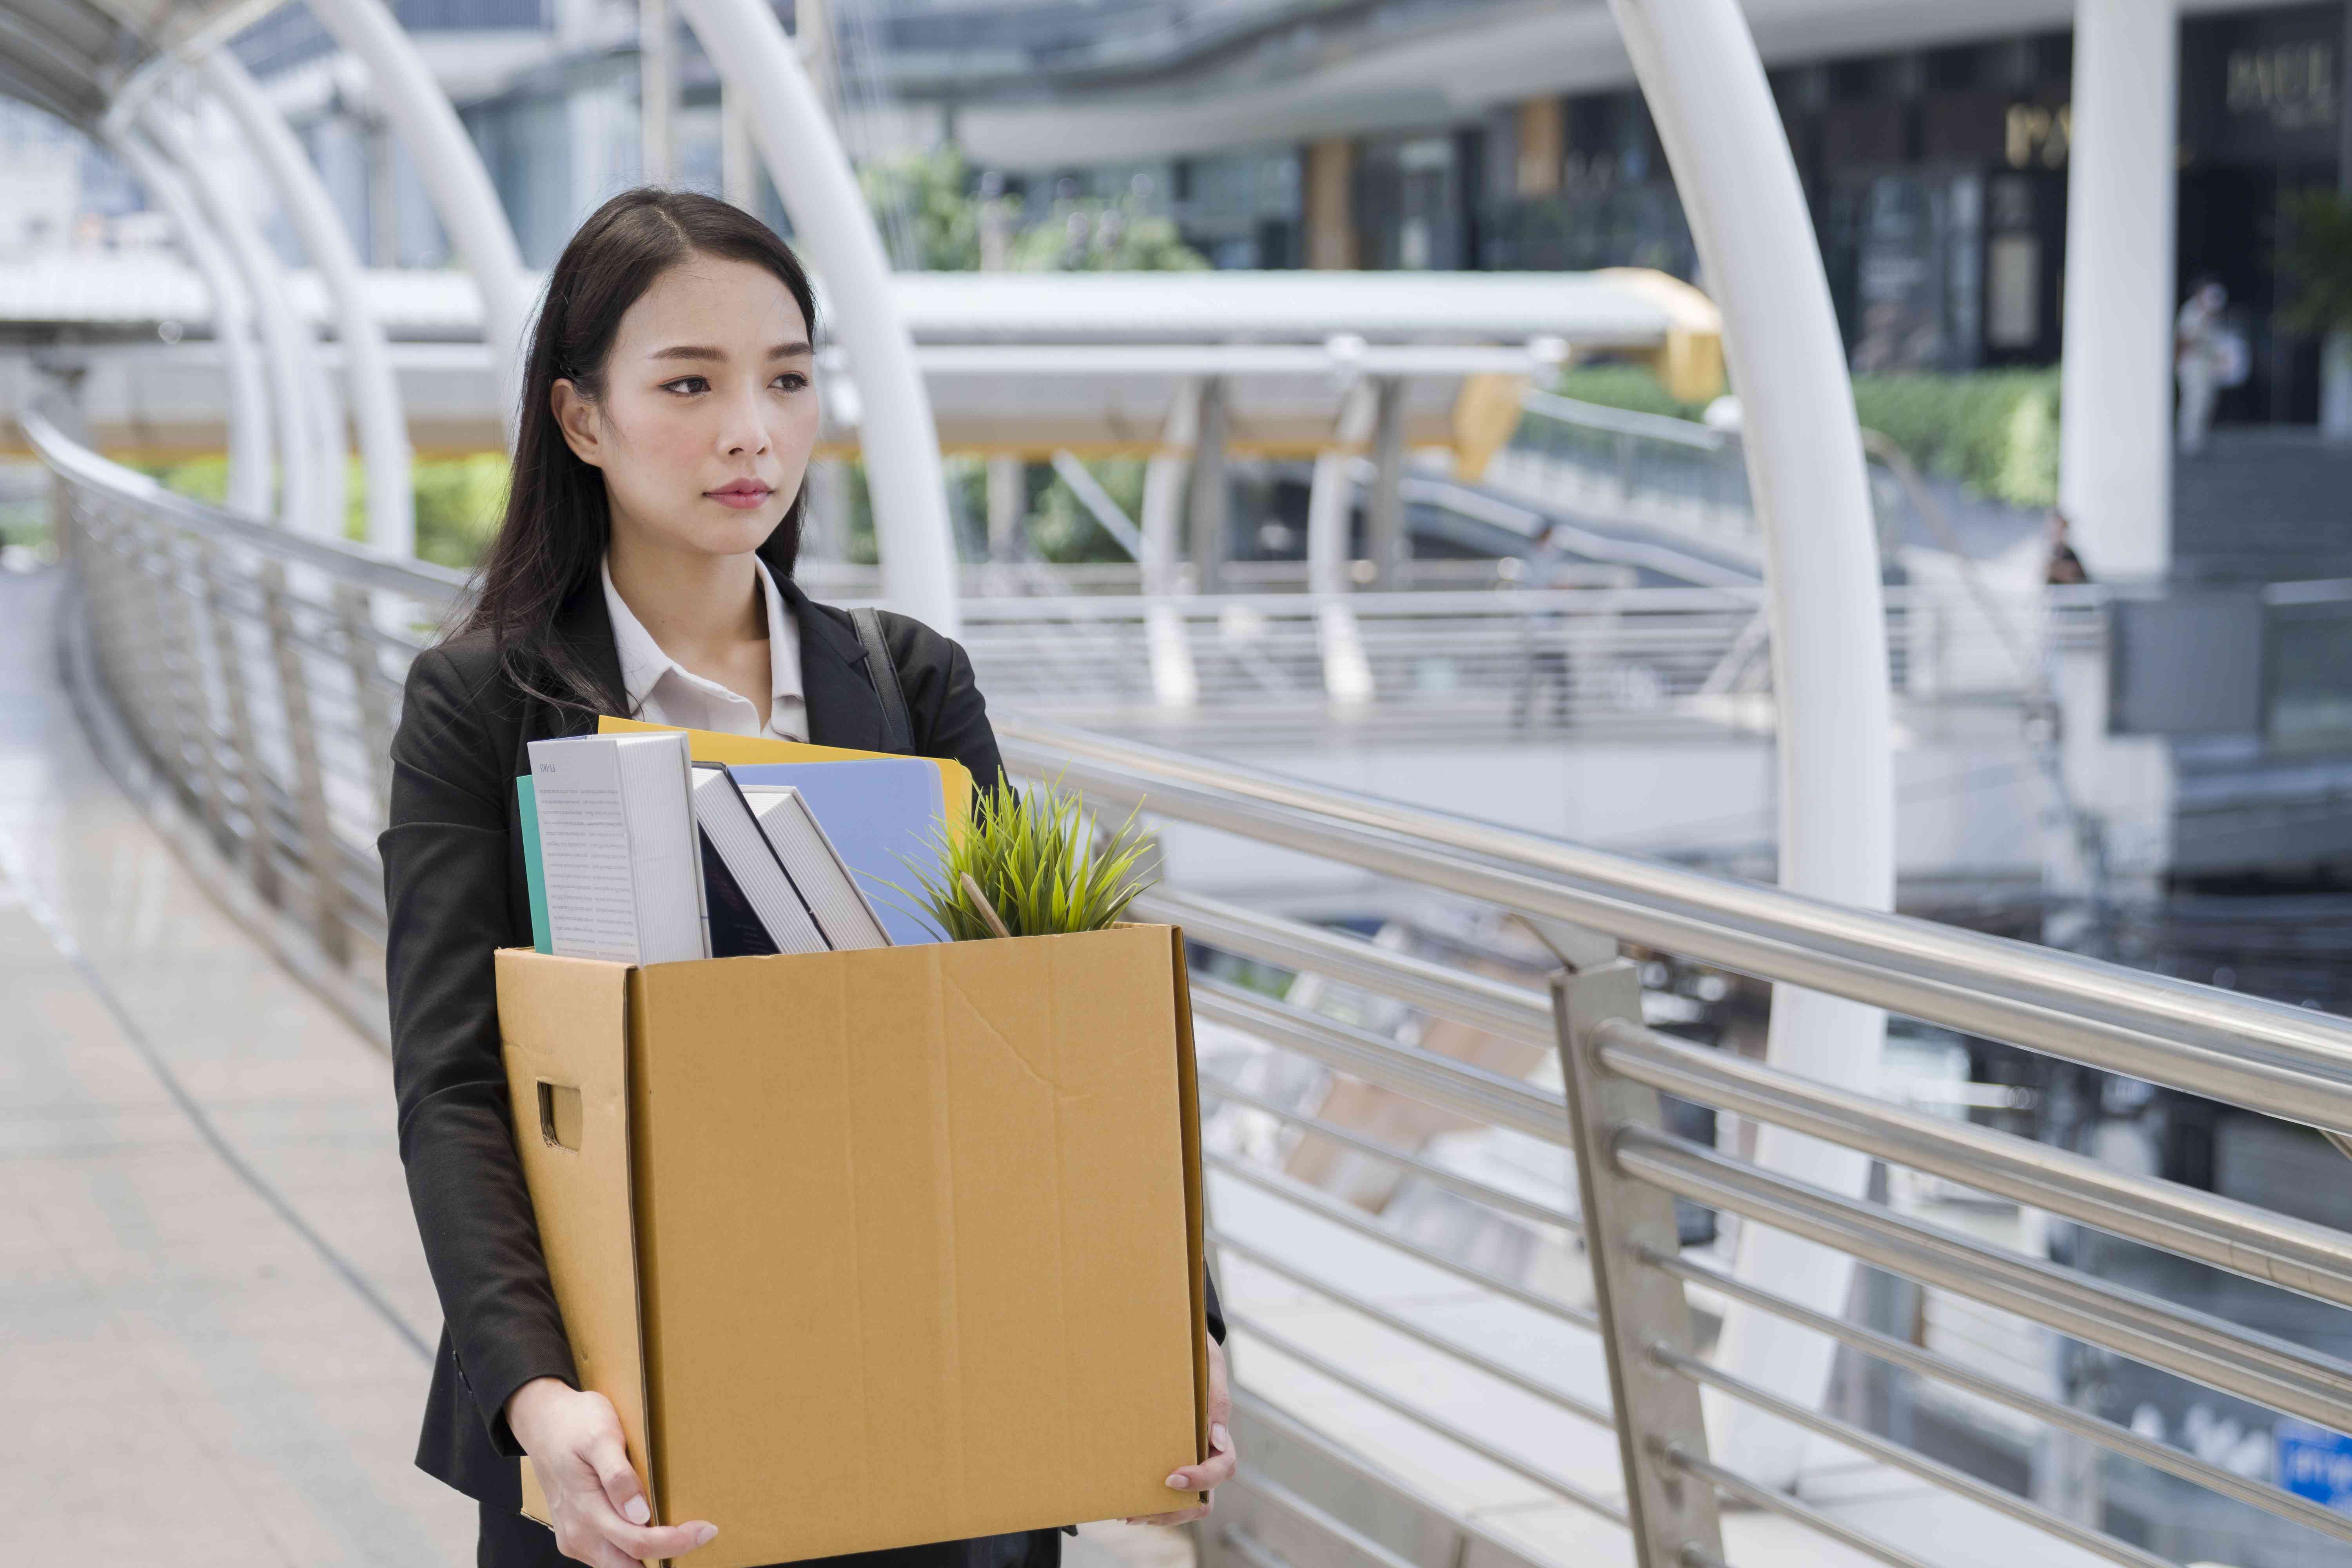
<point>644,568</point>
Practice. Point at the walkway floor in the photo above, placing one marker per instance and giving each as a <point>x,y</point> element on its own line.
<point>218,1317</point>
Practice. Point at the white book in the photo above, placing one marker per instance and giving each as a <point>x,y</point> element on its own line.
<point>824,878</point>
<point>758,870</point>
<point>617,847</point>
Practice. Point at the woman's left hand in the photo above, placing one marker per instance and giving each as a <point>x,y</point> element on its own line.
<point>1218,1468</point>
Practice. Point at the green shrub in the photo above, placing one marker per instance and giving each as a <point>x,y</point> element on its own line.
<point>2315,254</point>
<point>204,479</point>
<point>459,503</point>
<point>1995,431</point>
<point>1627,387</point>
<point>1064,532</point>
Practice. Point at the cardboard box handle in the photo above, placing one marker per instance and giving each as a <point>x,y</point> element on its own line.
<point>558,1114</point>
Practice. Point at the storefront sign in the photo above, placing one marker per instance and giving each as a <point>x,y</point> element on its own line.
<point>2293,86</point>
<point>2038,136</point>
<point>2314,1463</point>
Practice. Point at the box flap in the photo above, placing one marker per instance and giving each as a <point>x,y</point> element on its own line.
<point>564,1024</point>
<point>1196,1214</point>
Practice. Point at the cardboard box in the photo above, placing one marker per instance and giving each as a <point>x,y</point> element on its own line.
<point>874,1248</point>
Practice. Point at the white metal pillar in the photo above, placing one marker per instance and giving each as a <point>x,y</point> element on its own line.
<point>2114,439</point>
<point>758,65</point>
<point>251,451</point>
<point>459,187</point>
<point>375,400</point>
<point>1175,680</point>
<point>287,350</point>
<point>1346,670</point>
<point>1697,66</point>
<point>656,90</point>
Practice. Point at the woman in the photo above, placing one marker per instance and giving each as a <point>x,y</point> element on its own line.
<point>644,567</point>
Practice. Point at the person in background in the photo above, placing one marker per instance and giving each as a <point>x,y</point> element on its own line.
<point>2066,569</point>
<point>2206,357</point>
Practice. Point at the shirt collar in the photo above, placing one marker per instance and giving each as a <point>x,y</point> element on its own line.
<point>642,662</point>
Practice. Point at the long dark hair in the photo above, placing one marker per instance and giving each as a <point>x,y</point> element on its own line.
<point>553,539</point>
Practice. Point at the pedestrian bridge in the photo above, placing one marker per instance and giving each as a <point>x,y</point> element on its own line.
<point>1517,1274</point>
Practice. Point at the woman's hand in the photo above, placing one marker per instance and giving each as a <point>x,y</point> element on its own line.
<point>599,1509</point>
<point>1218,1468</point>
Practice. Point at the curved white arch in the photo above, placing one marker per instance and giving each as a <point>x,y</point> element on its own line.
<point>458,186</point>
<point>286,344</point>
<point>376,405</point>
<point>1697,66</point>
<point>759,66</point>
<point>251,451</point>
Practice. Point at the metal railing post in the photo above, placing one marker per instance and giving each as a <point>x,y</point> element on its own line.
<point>357,614</point>
<point>1642,1309</point>
<point>192,704</point>
<point>261,859</point>
<point>319,851</point>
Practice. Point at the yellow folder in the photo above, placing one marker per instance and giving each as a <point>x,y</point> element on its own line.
<point>740,751</point>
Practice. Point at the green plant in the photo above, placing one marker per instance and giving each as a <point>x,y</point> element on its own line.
<point>460,501</point>
<point>1035,862</point>
<point>1064,531</point>
<point>927,190</point>
<point>2316,253</point>
<point>1995,431</point>
<point>1627,387</point>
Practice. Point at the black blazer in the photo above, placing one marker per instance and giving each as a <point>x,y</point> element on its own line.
<point>454,892</point>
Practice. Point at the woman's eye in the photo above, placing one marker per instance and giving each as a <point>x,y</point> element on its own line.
<point>793,380</point>
<point>673,386</point>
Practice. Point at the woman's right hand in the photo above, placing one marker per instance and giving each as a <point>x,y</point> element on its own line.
<point>599,1507</point>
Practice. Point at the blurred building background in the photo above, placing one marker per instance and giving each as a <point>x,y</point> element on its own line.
<point>1545,528</point>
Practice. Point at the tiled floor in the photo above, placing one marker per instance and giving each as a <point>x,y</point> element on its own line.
<point>213,1314</point>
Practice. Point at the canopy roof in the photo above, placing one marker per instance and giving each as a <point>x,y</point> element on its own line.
<point>71,57</point>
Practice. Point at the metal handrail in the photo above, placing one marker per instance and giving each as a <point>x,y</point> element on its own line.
<point>353,563</point>
<point>2312,1259</point>
<point>1346,1215</point>
<point>2288,1062</point>
<point>1944,1369</point>
<point>1435,1175</point>
<point>1903,1458</point>
<point>1625,421</point>
<point>252,665</point>
<point>2254,1366</point>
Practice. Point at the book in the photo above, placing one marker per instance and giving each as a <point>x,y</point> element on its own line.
<point>825,882</point>
<point>874,812</point>
<point>755,906</point>
<point>534,879</point>
<point>952,797</point>
<point>619,854</point>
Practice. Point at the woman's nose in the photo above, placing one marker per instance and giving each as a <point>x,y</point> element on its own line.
<point>745,431</point>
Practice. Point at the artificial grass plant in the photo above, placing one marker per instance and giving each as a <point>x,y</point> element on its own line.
<point>1028,864</point>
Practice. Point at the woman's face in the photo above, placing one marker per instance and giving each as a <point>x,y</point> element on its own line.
<point>710,410</point>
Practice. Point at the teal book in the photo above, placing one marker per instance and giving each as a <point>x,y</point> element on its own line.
<point>527,808</point>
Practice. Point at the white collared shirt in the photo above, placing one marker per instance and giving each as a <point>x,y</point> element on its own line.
<point>663,691</point>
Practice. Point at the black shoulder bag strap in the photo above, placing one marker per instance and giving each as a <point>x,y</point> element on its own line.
<point>898,736</point>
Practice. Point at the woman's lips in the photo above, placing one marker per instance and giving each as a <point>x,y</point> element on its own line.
<point>742,501</point>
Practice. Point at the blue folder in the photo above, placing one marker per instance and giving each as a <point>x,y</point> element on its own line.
<point>874,812</point>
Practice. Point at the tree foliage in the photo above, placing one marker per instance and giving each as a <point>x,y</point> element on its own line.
<point>2315,254</point>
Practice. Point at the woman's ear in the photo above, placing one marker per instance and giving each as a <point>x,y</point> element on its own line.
<point>576,415</point>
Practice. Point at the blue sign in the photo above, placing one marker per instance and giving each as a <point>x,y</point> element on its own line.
<point>2314,1463</point>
